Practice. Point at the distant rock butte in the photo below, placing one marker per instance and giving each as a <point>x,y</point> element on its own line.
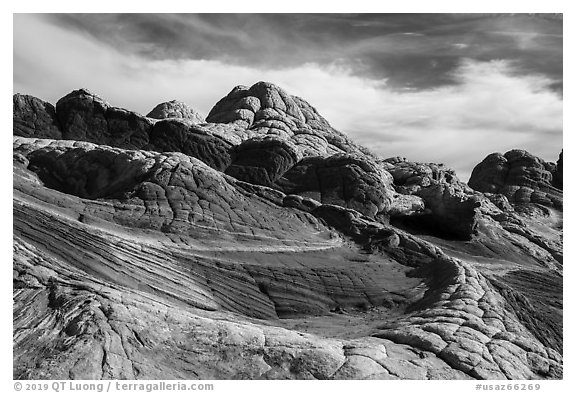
<point>521,177</point>
<point>175,109</point>
<point>260,243</point>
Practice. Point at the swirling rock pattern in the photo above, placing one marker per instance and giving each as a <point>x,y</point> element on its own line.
<point>263,244</point>
<point>464,327</point>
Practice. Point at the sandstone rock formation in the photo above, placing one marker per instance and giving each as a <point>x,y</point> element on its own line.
<point>263,159</point>
<point>452,207</point>
<point>175,109</point>
<point>343,180</point>
<point>265,109</point>
<point>180,135</point>
<point>264,244</point>
<point>557,180</point>
<point>34,117</point>
<point>84,116</point>
<point>520,176</point>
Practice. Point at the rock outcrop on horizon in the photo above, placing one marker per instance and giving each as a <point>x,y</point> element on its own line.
<point>175,110</point>
<point>84,116</point>
<point>558,175</point>
<point>521,177</point>
<point>260,243</point>
<point>35,118</point>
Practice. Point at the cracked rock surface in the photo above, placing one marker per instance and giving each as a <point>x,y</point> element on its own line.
<point>175,109</point>
<point>263,244</point>
<point>521,177</point>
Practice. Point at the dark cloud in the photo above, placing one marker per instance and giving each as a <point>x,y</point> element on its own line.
<point>408,50</point>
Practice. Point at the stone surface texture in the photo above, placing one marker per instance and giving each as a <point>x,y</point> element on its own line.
<point>263,244</point>
<point>175,109</point>
<point>34,117</point>
<point>521,177</point>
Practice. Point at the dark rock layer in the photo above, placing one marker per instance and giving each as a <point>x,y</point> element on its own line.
<point>175,135</point>
<point>558,175</point>
<point>84,116</point>
<point>35,118</point>
<point>262,160</point>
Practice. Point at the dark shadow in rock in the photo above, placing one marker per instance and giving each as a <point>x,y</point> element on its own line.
<point>34,118</point>
<point>262,160</point>
<point>427,225</point>
<point>179,135</point>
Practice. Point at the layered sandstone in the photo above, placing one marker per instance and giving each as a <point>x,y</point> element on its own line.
<point>263,244</point>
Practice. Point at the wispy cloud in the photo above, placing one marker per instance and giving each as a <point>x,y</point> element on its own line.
<point>489,105</point>
<point>490,108</point>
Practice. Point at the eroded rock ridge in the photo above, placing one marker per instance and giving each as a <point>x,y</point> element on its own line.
<point>261,243</point>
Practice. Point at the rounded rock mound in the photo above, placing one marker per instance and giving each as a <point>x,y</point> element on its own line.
<point>518,175</point>
<point>175,109</point>
<point>34,118</point>
<point>263,159</point>
<point>266,109</point>
<point>84,116</point>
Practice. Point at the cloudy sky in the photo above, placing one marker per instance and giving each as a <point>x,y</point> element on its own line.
<point>432,88</point>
